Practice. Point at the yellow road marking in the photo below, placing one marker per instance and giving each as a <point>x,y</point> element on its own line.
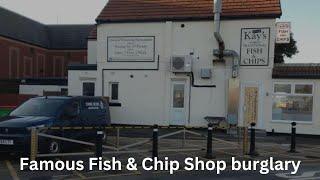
<point>77,173</point>
<point>164,172</point>
<point>12,171</point>
<point>111,175</point>
<point>123,166</point>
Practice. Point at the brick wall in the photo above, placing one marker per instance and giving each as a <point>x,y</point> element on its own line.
<point>13,100</point>
<point>21,60</point>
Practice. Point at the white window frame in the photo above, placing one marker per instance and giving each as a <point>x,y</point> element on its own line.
<point>110,92</point>
<point>293,93</point>
<point>300,83</point>
<point>281,83</point>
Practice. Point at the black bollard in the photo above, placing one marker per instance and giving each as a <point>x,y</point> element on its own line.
<point>209,154</point>
<point>253,140</point>
<point>155,141</point>
<point>293,137</point>
<point>99,137</point>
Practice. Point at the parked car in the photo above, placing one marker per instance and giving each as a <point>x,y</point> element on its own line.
<point>52,112</point>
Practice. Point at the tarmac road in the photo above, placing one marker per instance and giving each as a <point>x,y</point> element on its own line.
<point>9,167</point>
<point>306,172</point>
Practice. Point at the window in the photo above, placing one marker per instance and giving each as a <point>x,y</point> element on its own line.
<point>114,91</point>
<point>40,65</point>
<point>178,96</point>
<point>292,102</point>
<point>64,91</point>
<point>88,89</point>
<point>282,88</point>
<point>27,67</point>
<point>303,89</point>
<point>72,110</point>
<point>14,56</point>
<point>75,106</point>
<point>39,107</point>
<point>58,66</point>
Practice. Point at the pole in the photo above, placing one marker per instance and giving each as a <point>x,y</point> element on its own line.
<point>209,154</point>
<point>253,140</point>
<point>293,138</point>
<point>184,137</point>
<point>245,140</point>
<point>99,138</point>
<point>118,138</point>
<point>155,141</point>
<point>34,144</point>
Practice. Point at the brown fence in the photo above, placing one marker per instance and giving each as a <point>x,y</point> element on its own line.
<point>13,100</point>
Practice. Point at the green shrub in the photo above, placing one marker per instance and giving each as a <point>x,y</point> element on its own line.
<point>4,112</point>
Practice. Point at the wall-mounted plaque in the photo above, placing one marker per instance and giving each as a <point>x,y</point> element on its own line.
<point>131,49</point>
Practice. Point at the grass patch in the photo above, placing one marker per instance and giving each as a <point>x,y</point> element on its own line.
<point>4,112</point>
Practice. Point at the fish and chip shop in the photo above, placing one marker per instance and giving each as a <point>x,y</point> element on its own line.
<point>162,64</point>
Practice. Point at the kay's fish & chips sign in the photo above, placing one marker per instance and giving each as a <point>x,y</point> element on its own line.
<point>255,46</point>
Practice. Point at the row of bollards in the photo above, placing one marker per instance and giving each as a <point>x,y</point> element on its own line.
<point>253,151</point>
<point>209,152</point>
<point>99,142</point>
<point>293,137</point>
<point>155,137</point>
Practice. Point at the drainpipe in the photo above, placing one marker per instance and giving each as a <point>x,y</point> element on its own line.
<point>232,99</point>
<point>217,8</point>
<point>221,52</point>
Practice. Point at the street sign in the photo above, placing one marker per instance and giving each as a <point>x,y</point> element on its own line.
<point>283,32</point>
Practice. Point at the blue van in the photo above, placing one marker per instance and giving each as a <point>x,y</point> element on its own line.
<point>52,112</point>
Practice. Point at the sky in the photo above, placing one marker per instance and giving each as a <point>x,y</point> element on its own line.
<point>303,16</point>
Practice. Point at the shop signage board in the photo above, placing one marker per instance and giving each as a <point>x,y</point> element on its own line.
<point>255,46</point>
<point>283,32</point>
<point>131,49</point>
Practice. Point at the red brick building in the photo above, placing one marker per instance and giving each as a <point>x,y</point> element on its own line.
<point>29,49</point>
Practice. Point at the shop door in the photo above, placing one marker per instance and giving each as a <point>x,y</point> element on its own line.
<point>251,105</point>
<point>178,105</point>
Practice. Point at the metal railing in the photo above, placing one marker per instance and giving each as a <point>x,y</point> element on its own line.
<point>248,147</point>
<point>101,148</point>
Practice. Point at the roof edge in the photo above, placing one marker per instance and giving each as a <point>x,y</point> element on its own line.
<point>295,76</point>
<point>229,17</point>
<point>79,67</point>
